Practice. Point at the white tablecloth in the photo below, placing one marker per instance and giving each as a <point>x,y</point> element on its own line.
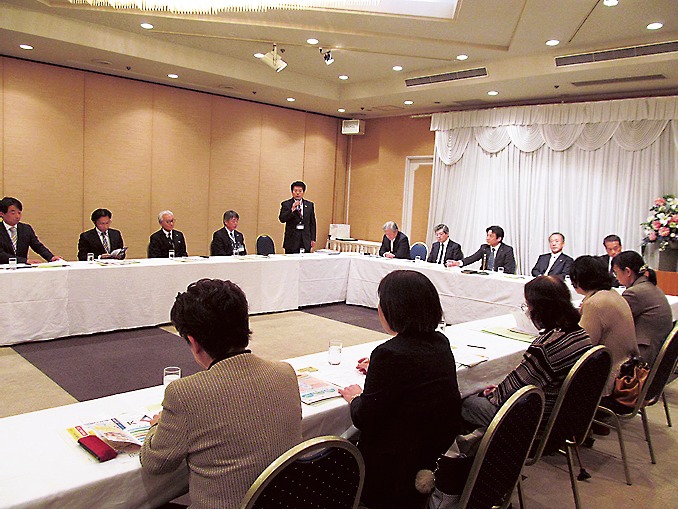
<point>43,468</point>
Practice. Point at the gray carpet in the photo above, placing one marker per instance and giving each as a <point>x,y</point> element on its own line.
<point>360,316</point>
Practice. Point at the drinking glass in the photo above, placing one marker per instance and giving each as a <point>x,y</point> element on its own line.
<point>334,352</point>
<point>169,374</point>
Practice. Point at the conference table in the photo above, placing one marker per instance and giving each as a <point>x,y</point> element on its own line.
<point>49,302</point>
<point>42,467</point>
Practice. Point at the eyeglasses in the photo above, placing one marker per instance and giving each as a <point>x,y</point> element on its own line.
<point>523,307</point>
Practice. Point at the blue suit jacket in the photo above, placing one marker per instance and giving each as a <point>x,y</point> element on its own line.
<point>561,267</point>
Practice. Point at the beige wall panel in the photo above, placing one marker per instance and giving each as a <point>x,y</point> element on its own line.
<point>319,167</point>
<point>2,125</point>
<point>340,178</point>
<point>282,162</point>
<point>234,166</point>
<point>421,202</point>
<point>118,128</point>
<point>43,147</point>
<point>378,170</point>
<point>181,159</point>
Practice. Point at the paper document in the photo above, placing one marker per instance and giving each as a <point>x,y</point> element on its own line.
<point>509,333</point>
<point>313,389</point>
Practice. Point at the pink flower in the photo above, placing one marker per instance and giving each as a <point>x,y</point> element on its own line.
<point>656,224</point>
<point>674,219</point>
<point>664,231</point>
<point>659,202</point>
<point>652,236</point>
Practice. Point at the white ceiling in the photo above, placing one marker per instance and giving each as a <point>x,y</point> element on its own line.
<point>505,36</point>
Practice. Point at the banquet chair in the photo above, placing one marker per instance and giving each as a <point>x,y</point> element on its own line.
<point>265,245</point>
<point>503,450</point>
<point>672,378</point>
<point>573,411</point>
<point>326,472</point>
<point>650,394</point>
<point>418,249</point>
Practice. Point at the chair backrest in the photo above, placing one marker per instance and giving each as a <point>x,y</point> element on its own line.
<point>576,404</point>
<point>503,450</point>
<point>265,245</point>
<point>418,249</point>
<point>325,472</point>
<point>663,367</point>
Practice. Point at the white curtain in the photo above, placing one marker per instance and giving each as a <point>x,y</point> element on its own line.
<point>586,170</point>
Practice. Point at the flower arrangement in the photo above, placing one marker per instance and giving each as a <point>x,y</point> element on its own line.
<point>662,224</point>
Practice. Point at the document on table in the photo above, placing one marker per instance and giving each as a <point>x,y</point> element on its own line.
<point>468,358</point>
<point>509,333</point>
<point>314,389</point>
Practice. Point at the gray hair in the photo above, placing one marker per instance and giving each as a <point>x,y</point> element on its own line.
<point>442,227</point>
<point>164,213</point>
<point>230,214</point>
<point>390,225</point>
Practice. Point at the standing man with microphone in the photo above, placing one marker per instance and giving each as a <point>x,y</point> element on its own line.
<point>298,215</point>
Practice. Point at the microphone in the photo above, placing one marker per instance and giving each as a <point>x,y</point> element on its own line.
<point>484,266</point>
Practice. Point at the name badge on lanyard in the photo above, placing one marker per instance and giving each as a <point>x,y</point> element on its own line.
<point>300,227</point>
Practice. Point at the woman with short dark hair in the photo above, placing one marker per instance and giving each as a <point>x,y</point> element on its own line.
<point>651,311</point>
<point>409,411</point>
<point>605,315</point>
<point>547,360</point>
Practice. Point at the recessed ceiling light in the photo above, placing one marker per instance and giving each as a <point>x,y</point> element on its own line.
<point>493,92</point>
<point>147,26</point>
<point>343,77</point>
<point>259,55</point>
<point>552,42</point>
<point>173,76</point>
<point>397,67</point>
<point>25,46</point>
<point>312,41</point>
<point>462,57</point>
<point>341,110</point>
<point>291,99</point>
<point>408,102</point>
<point>655,26</point>
<point>610,3</point>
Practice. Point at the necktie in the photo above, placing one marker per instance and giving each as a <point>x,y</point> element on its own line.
<point>104,241</point>
<point>12,232</point>
<point>441,254</point>
<point>170,240</point>
<point>490,260</point>
<point>232,235</point>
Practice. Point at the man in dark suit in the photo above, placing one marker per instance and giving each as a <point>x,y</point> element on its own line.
<point>445,249</point>
<point>613,246</point>
<point>166,238</point>
<point>556,263</point>
<point>298,215</point>
<point>16,237</point>
<point>102,240</point>
<point>228,241</point>
<point>395,244</point>
<point>493,255</point>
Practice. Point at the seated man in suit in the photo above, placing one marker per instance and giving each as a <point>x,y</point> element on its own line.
<point>445,248</point>
<point>395,244</point>
<point>493,255</point>
<point>166,238</point>
<point>613,247</point>
<point>555,264</point>
<point>102,240</point>
<point>16,237</point>
<point>228,241</point>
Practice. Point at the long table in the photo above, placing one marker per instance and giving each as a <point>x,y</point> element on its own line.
<point>43,468</point>
<point>85,298</point>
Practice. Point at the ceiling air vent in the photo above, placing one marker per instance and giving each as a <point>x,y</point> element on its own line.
<point>448,76</point>
<point>613,81</point>
<point>616,54</point>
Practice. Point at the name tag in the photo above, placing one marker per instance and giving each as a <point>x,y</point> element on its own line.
<point>300,227</point>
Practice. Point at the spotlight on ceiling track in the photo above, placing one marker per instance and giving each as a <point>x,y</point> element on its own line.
<point>273,60</point>
<point>327,56</point>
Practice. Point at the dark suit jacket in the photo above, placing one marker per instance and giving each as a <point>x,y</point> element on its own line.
<point>410,391</point>
<point>561,266</point>
<point>401,246</point>
<point>90,242</point>
<point>502,258</point>
<point>453,252</point>
<point>222,244</point>
<point>159,245</point>
<point>295,239</point>
<point>605,260</point>
<point>25,238</point>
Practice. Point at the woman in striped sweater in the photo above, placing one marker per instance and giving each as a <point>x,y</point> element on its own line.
<point>547,360</point>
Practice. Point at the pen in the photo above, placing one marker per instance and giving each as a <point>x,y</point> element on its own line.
<point>476,346</point>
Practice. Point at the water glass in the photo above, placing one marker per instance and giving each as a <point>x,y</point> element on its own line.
<point>500,270</point>
<point>302,250</point>
<point>334,352</point>
<point>169,374</point>
<point>417,259</point>
<point>90,257</point>
<point>12,263</point>
<point>171,254</point>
